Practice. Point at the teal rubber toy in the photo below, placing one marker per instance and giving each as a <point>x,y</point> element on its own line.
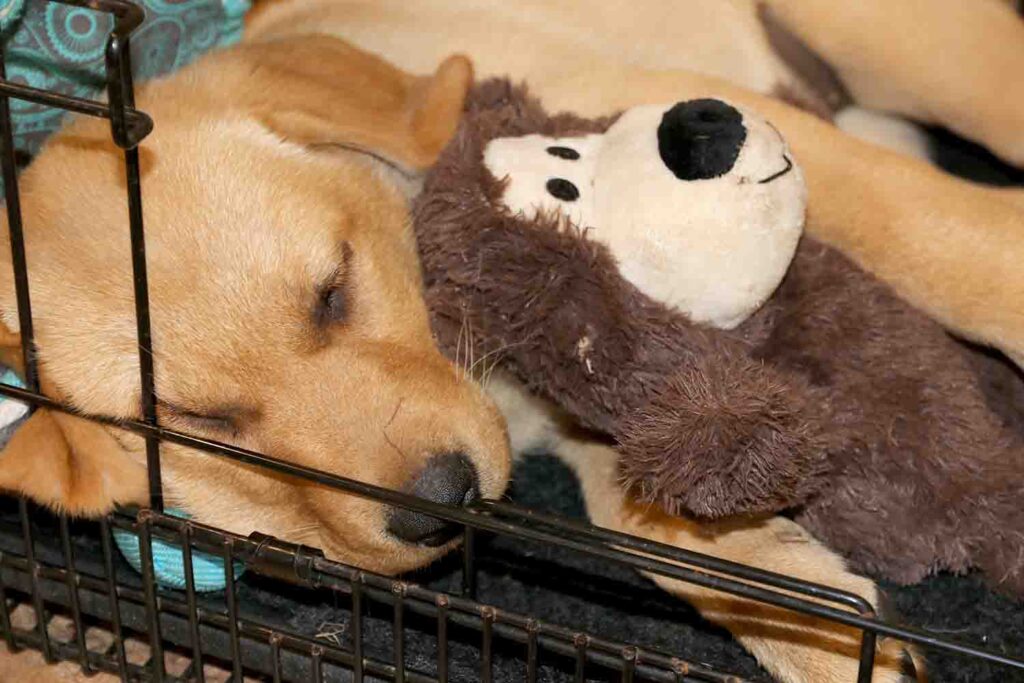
<point>169,561</point>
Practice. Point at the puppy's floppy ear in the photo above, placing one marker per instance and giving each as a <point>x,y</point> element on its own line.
<point>320,91</point>
<point>67,463</point>
<point>70,464</point>
<point>436,105</point>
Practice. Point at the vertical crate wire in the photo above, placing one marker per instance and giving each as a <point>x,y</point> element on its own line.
<point>71,581</point>
<point>156,643</point>
<point>232,608</point>
<point>190,598</point>
<point>275,657</point>
<point>398,631</point>
<point>115,604</point>
<point>121,96</point>
<point>28,539</point>
<point>5,614</point>
<point>357,628</point>
<point>442,638</point>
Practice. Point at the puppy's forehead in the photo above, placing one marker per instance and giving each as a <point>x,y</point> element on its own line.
<point>239,227</point>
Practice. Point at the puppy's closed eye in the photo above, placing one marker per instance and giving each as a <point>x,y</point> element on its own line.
<point>332,304</point>
<point>222,421</point>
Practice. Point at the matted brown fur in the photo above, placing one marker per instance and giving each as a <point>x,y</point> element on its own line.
<point>836,397</point>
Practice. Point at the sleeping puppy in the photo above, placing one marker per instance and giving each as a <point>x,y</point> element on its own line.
<point>286,304</point>
<point>288,318</point>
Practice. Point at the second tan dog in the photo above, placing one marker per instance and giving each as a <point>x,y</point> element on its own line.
<point>950,247</point>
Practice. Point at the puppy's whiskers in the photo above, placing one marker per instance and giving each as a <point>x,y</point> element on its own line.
<point>458,348</point>
<point>494,356</point>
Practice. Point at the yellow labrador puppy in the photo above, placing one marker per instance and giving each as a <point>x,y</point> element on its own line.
<point>285,296</point>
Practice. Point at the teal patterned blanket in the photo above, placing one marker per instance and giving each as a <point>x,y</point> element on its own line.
<point>60,48</point>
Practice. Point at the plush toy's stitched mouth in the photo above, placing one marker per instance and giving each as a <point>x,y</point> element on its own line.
<point>776,176</point>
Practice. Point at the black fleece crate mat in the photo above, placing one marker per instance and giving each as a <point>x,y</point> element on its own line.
<point>552,584</point>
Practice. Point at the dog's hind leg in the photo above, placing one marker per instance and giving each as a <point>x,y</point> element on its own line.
<point>947,62</point>
<point>794,648</point>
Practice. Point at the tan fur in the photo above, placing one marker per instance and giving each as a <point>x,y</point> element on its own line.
<point>948,246</point>
<point>253,201</point>
<point>938,61</point>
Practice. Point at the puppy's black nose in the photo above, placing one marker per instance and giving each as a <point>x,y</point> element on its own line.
<point>701,139</point>
<point>449,478</point>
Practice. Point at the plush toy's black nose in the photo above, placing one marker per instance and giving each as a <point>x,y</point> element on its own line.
<point>449,478</point>
<point>701,139</point>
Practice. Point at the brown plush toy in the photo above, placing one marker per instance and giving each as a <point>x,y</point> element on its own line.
<point>629,270</point>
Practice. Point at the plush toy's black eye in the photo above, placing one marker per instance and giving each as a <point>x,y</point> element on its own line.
<point>560,188</point>
<point>563,152</point>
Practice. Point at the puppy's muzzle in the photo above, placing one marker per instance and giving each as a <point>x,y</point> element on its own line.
<point>449,478</point>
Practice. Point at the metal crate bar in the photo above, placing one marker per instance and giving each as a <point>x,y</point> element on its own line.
<point>156,641</point>
<point>37,598</point>
<point>466,613</point>
<point>655,560</point>
<point>190,601</point>
<point>139,124</point>
<point>114,604</point>
<point>72,584</point>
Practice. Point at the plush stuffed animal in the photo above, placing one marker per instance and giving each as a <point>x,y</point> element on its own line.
<point>625,268</point>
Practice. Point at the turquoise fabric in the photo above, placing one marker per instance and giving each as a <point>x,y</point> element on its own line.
<point>60,48</point>
<point>169,561</point>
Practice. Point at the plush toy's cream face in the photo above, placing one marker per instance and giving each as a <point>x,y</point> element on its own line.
<point>701,204</point>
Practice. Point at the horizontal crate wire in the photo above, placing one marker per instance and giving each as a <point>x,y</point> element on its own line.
<point>65,591</point>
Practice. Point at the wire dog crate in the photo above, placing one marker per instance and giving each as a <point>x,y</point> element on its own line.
<point>48,573</point>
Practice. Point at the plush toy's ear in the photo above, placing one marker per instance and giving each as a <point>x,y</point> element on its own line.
<point>70,464</point>
<point>403,119</point>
